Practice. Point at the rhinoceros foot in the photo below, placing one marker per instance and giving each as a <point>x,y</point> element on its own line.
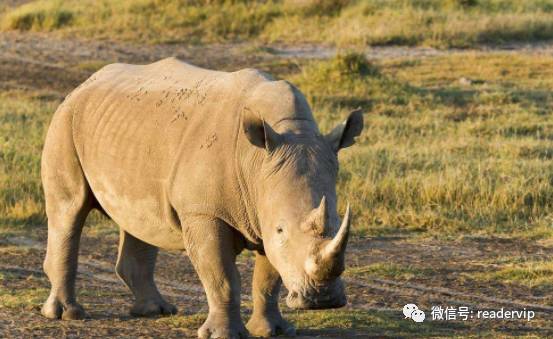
<point>221,327</point>
<point>150,308</point>
<point>267,326</point>
<point>53,309</point>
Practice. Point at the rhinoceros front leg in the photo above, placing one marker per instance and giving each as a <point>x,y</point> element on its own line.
<point>266,319</point>
<point>135,266</point>
<point>210,244</point>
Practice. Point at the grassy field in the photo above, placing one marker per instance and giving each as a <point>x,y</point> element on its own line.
<point>451,182</point>
<point>453,145</point>
<point>441,23</point>
<point>457,144</point>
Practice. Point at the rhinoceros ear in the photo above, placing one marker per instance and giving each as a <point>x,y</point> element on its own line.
<point>343,135</point>
<point>258,132</point>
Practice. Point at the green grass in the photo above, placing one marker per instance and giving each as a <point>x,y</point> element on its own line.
<point>145,20</point>
<point>190,321</point>
<point>22,299</point>
<point>533,274</point>
<point>40,16</point>
<point>437,157</point>
<point>91,66</point>
<point>441,23</point>
<point>23,122</point>
<point>377,323</point>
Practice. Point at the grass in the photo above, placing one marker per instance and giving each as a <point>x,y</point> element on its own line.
<point>203,20</point>
<point>377,323</point>
<point>438,156</point>
<point>91,66</point>
<point>440,23</point>
<point>380,323</point>
<point>41,16</point>
<point>23,122</point>
<point>22,299</point>
<point>532,274</point>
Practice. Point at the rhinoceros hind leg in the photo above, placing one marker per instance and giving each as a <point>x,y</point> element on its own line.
<point>211,247</point>
<point>266,319</point>
<point>135,266</point>
<point>60,265</point>
<point>68,200</point>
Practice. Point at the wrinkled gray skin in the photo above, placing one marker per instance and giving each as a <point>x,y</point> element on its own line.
<point>208,162</point>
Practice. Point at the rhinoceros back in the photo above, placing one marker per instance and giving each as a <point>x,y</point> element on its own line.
<point>137,127</point>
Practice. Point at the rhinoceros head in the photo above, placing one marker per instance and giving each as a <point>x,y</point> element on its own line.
<point>303,236</point>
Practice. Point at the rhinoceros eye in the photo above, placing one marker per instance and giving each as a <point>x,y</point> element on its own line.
<point>279,229</point>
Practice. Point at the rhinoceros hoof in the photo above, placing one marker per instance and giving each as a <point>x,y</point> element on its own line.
<point>215,328</point>
<point>53,309</point>
<point>262,326</point>
<point>151,308</point>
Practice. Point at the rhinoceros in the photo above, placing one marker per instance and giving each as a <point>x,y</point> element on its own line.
<point>208,162</point>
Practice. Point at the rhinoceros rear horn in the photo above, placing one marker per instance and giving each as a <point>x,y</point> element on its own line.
<point>317,221</point>
<point>259,132</point>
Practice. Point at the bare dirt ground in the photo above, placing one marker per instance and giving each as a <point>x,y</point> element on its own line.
<point>443,269</point>
<point>107,300</point>
<point>41,61</point>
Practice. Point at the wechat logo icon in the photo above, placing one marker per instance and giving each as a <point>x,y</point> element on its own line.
<point>411,311</point>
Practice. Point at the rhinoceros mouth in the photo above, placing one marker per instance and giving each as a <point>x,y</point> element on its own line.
<point>324,297</point>
<point>302,302</point>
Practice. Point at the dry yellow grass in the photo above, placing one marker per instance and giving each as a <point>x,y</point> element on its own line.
<point>438,156</point>
<point>439,23</point>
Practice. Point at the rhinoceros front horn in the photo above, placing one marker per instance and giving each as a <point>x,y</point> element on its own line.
<point>337,246</point>
<point>329,262</point>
